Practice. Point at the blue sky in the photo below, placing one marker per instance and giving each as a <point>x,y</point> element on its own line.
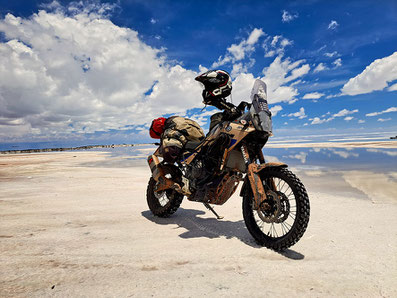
<point>100,71</point>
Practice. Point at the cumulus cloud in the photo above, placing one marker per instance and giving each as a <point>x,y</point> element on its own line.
<point>300,114</point>
<point>330,55</point>
<point>314,95</point>
<point>242,86</point>
<point>279,74</point>
<point>392,87</point>
<point>341,113</point>
<point>345,112</point>
<point>333,25</point>
<point>384,120</point>
<point>376,76</point>
<point>254,36</point>
<point>238,52</point>
<point>337,63</point>
<point>281,77</point>
<point>71,70</point>
<point>317,120</point>
<point>275,110</point>
<point>287,17</point>
<point>241,67</point>
<point>320,67</point>
<point>326,114</point>
<point>389,110</point>
<point>275,45</point>
<point>201,117</point>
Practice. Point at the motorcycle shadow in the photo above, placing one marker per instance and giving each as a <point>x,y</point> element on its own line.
<point>197,227</point>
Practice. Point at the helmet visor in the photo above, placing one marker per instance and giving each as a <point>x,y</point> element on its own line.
<point>202,86</point>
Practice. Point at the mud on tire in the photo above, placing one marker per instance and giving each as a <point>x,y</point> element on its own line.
<point>295,212</point>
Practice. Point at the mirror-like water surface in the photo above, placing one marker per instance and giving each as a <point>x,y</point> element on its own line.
<point>368,173</point>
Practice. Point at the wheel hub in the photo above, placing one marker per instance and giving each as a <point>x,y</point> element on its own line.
<point>275,209</point>
<point>270,208</point>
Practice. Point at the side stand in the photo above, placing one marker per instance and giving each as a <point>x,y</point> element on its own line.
<point>212,210</point>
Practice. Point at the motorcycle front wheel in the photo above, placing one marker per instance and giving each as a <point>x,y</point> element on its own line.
<point>283,217</point>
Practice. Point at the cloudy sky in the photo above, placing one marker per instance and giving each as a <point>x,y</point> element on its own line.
<point>100,71</point>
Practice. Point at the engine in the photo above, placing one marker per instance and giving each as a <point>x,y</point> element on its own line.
<point>196,172</point>
<point>205,167</point>
<point>218,190</point>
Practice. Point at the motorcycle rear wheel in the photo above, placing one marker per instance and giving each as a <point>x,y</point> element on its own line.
<point>165,203</point>
<point>286,220</point>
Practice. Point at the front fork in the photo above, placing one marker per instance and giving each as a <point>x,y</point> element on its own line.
<point>253,170</point>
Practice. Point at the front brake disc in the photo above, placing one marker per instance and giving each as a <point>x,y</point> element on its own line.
<point>285,207</point>
<point>273,200</point>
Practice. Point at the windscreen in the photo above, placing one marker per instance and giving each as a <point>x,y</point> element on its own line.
<point>260,112</point>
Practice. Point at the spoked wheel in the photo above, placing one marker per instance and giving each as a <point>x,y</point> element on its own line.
<point>164,203</point>
<point>283,217</point>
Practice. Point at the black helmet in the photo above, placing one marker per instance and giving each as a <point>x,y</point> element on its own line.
<point>217,85</point>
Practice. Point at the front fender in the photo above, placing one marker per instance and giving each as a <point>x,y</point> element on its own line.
<point>265,165</point>
<point>257,169</point>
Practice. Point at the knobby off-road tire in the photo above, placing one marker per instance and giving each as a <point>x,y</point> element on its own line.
<point>167,202</point>
<point>291,223</point>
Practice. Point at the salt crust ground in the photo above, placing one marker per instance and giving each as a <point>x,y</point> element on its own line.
<point>73,225</point>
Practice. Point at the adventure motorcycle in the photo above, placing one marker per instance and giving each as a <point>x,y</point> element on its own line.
<point>275,203</point>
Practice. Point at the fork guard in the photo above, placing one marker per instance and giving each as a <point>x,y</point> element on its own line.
<point>254,179</point>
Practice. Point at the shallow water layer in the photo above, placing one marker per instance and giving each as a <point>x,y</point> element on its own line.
<point>275,140</point>
<point>374,159</point>
<point>366,173</point>
<point>358,172</point>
